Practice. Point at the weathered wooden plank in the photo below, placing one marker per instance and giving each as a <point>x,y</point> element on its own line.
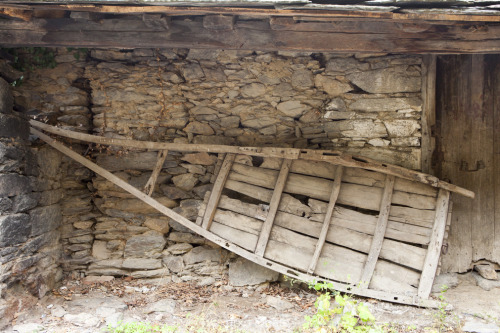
<point>150,184</point>
<point>365,197</point>
<point>398,298</point>
<point>380,230</point>
<point>336,262</point>
<point>217,190</point>
<point>435,245</point>
<point>496,151</point>
<point>334,157</point>
<point>428,111</point>
<point>279,185</point>
<point>249,219</point>
<point>351,175</point>
<point>345,217</point>
<point>328,217</point>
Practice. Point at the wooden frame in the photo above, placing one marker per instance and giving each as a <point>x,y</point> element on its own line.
<point>275,225</point>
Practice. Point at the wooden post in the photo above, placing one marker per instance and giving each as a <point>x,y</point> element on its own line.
<point>428,111</point>
<point>217,190</point>
<point>150,185</point>
<point>328,217</point>
<point>435,244</point>
<point>378,237</point>
<point>273,208</point>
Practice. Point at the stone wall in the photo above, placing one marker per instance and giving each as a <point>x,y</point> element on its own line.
<point>30,214</point>
<point>368,105</point>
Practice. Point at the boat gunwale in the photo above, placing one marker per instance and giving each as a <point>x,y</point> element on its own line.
<point>330,156</point>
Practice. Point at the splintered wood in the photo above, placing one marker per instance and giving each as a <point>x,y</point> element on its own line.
<point>350,225</point>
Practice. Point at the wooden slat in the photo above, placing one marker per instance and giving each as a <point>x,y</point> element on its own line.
<point>223,242</point>
<point>217,190</point>
<point>328,217</point>
<point>378,237</point>
<point>150,185</point>
<point>435,245</point>
<point>335,157</point>
<point>273,208</point>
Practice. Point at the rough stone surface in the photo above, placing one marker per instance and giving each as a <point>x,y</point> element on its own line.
<point>15,229</point>
<point>145,245</point>
<point>388,80</point>
<point>444,282</point>
<point>278,303</point>
<point>485,283</point>
<point>13,126</point>
<point>243,272</point>
<point>83,319</point>
<point>203,253</point>
<point>28,328</point>
<point>13,184</point>
<point>479,326</point>
<point>164,305</point>
<point>141,263</point>
<point>45,219</point>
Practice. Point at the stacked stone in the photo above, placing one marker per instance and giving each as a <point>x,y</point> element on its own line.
<point>29,210</point>
<point>364,104</point>
<point>58,96</point>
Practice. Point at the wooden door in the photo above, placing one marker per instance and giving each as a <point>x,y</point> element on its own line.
<point>468,154</point>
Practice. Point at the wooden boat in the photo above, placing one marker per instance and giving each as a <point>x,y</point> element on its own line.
<point>370,228</point>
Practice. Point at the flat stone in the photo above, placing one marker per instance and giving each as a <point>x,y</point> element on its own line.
<point>402,127</point>
<point>6,99</point>
<point>486,271</point>
<point>15,228</point>
<point>202,254</point>
<point>485,283</point>
<point>158,224</point>
<point>193,168</point>
<point>278,303</point>
<point>82,319</point>
<point>13,126</point>
<point>164,305</point>
<point>185,237</point>
<point>57,311</point>
<point>336,104</point>
<point>179,248</point>
<point>114,320</point>
<point>28,328</point>
<point>331,86</point>
<point>410,141</point>
<point>200,158</point>
<point>185,182</point>
<point>386,104</point>
<point>243,272</point>
<point>196,127</point>
<point>253,90</point>
<point>145,245</point>
<point>302,79</point>
<point>378,142</point>
<point>154,273</point>
<point>259,123</point>
<point>173,192</point>
<point>13,184</point>
<point>292,109</point>
<point>88,280</point>
<point>141,263</point>
<point>174,263</point>
<point>83,224</point>
<point>362,128</point>
<point>444,282</point>
<point>479,326</point>
<point>387,80</point>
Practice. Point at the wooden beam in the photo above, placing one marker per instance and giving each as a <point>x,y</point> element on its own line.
<point>328,217</point>
<point>360,36</point>
<point>428,142</point>
<point>434,250</point>
<point>335,157</point>
<point>378,237</point>
<point>273,208</point>
<point>217,190</point>
<point>150,185</point>
<point>256,12</point>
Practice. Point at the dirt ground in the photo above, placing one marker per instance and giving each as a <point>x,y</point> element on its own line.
<point>79,306</point>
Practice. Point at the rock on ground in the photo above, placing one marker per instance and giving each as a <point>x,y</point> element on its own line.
<point>243,272</point>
